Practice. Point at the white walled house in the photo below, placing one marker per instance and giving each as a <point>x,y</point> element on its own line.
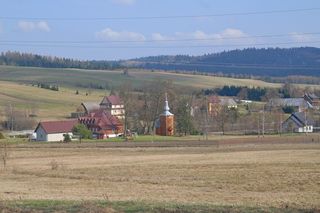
<point>114,104</point>
<point>298,122</point>
<point>54,130</point>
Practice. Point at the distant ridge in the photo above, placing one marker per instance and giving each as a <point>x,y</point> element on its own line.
<point>251,61</point>
<point>272,62</point>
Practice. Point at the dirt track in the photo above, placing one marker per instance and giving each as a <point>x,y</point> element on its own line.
<point>312,138</point>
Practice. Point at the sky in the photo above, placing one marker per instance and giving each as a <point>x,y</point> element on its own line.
<point>124,29</point>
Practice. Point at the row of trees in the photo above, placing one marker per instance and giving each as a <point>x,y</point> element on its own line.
<point>19,119</point>
<point>259,94</point>
<point>34,60</point>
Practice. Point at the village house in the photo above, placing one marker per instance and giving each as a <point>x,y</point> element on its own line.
<point>312,99</point>
<point>54,130</point>
<point>113,104</point>
<point>215,104</point>
<point>102,124</point>
<point>298,104</point>
<point>298,122</point>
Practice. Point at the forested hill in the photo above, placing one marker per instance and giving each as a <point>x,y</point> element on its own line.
<point>33,60</point>
<point>258,62</point>
<point>241,63</point>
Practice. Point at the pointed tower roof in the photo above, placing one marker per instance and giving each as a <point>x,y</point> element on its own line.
<point>166,111</point>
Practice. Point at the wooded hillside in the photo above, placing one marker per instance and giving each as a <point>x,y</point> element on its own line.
<point>257,62</point>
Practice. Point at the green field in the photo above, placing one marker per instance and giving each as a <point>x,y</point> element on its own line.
<point>114,78</point>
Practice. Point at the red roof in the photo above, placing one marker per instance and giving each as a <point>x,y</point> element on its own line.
<point>102,119</point>
<point>113,99</point>
<point>57,126</point>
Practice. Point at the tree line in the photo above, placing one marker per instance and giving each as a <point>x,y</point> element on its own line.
<point>34,60</point>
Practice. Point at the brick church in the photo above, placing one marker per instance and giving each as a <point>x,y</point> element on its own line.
<point>165,123</point>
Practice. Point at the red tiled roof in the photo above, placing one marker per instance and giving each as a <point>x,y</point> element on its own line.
<point>57,126</point>
<point>113,99</point>
<point>102,119</point>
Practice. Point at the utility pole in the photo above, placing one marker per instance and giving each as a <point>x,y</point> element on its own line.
<point>263,120</point>
<point>280,127</point>
<point>11,118</point>
<point>206,120</point>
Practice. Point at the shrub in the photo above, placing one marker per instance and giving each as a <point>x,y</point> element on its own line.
<point>66,138</point>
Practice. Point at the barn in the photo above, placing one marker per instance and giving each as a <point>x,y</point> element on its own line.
<point>54,130</point>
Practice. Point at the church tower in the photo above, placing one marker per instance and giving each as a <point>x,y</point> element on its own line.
<point>165,123</point>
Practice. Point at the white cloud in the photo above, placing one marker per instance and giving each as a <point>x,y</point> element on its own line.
<point>226,36</point>
<point>29,26</point>
<point>298,37</point>
<point>232,33</point>
<point>42,25</point>
<point>228,33</point>
<point>160,37</point>
<point>110,35</point>
<point>124,2</point>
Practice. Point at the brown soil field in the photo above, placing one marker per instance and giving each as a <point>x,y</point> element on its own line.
<point>261,174</point>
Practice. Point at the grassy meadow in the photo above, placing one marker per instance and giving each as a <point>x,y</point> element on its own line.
<point>114,78</point>
<point>71,78</point>
<point>246,178</point>
<point>48,104</point>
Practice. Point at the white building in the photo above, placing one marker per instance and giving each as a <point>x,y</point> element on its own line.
<point>298,122</point>
<point>114,104</point>
<point>54,130</point>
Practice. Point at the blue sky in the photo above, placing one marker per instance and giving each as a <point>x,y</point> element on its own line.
<point>72,28</point>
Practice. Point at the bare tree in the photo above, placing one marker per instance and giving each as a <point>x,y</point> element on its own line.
<point>222,118</point>
<point>4,153</point>
<point>126,96</point>
<point>18,119</point>
<point>151,103</point>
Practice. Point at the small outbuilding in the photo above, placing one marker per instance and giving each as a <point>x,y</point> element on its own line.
<point>54,130</point>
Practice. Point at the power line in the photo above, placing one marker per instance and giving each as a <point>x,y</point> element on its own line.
<point>160,17</point>
<point>162,47</point>
<point>153,40</point>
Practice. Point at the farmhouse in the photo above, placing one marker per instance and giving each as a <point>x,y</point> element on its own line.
<point>312,99</point>
<point>298,122</point>
<point>215,104</point>
<point>113,104</point>
<point>102,124</point>
<point>54,130</point>
<point>298,104</point>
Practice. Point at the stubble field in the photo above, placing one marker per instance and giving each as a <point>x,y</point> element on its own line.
<point>268,175</point>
